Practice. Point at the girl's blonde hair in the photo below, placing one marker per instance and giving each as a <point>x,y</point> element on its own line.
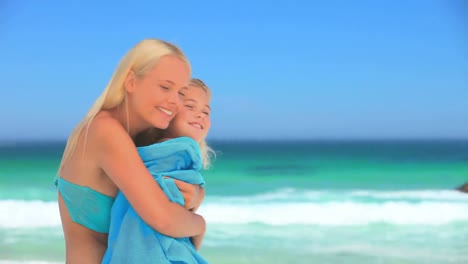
<point>140,59</point>
<point>153,135</point>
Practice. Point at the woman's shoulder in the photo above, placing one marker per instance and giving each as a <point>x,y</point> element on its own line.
<point>106,128</point>
<point>104,121</point>
<point>104,115</point>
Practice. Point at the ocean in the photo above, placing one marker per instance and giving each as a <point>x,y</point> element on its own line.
<point>364,201</point>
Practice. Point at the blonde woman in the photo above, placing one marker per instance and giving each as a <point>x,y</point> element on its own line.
<point>145,91</point>
<point>180,152</point>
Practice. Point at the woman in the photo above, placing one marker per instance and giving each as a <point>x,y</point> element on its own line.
<point>100,157</point>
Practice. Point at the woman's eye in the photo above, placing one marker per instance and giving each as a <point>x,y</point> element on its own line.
<point>207,113</point>
<point>164,87</point>
<point>181,94</point>
<point>189,106</point>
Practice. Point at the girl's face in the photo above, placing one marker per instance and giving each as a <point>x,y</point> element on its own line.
<point>156,97</point>
<point>193,118</point>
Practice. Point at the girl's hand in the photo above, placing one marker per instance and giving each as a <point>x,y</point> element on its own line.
<point>193,194</point>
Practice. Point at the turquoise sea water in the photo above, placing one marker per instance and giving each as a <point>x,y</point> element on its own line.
<point>280,202</point>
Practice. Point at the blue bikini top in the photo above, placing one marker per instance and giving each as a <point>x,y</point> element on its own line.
<point>86,206</point>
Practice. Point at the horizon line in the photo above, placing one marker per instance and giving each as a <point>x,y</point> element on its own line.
<point>254,139</point>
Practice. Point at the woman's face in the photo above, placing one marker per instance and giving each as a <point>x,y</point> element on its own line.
<point>193,119</point>
<point>156,97</point>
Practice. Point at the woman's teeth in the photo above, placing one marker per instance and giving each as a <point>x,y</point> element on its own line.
<point>167,112</point>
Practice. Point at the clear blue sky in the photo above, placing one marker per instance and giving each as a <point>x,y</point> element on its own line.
<point>278,69</point>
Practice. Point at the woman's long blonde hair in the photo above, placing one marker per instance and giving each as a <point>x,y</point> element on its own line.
<point>140,59</point>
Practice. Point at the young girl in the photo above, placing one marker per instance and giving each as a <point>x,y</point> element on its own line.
<point>145,91</point>
<point>179,152</point>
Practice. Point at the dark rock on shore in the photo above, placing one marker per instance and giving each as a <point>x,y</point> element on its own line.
<point>463,188</point>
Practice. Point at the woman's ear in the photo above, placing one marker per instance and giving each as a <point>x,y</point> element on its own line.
<point>130,82</point>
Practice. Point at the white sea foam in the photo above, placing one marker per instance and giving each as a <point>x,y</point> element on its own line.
<point>336,213</point>
<point>289,207</point>
<point>447,195</point>
<point>28,214</point>
<point>291,194</point>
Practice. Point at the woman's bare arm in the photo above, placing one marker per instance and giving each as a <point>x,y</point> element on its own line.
<point>197,240</point>
<point>118,157</point>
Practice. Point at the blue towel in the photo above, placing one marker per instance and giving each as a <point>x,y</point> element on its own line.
<point>131,240</point>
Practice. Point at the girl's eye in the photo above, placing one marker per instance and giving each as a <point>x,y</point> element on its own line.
<point>181,94</point>
<point>189,106</point>
<point>207,113</point>
<point>164,87</point>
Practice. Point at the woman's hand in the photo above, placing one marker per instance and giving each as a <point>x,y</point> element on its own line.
<point>193,194</point>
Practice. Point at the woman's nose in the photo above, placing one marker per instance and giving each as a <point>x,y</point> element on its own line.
<point>174,98</point>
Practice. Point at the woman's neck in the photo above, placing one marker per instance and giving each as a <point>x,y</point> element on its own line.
<point>132,123</point>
